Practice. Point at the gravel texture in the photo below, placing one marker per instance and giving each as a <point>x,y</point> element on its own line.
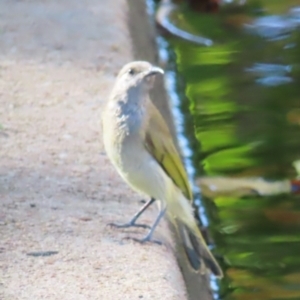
<point>58,61</point>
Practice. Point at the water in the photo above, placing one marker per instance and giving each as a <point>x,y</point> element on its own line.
<point>240,99</point>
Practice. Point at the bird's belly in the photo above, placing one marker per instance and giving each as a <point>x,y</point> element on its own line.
<point>142,172</point>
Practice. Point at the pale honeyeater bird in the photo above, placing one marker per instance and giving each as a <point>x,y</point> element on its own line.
<point>140,146</point>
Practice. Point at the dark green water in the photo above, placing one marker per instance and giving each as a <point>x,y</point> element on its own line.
<point>241,104</point>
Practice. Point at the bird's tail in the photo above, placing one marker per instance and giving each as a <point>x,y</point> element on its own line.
<point>181,214</point>
<point>197,251</point>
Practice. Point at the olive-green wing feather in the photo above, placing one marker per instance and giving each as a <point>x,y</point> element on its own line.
<point>159,143</point>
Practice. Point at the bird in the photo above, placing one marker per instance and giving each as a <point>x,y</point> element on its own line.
<point>140,146</point>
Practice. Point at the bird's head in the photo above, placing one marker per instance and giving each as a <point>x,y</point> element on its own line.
<point>138,74</point>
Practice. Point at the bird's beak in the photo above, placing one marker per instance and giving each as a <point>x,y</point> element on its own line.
<point>154,71</point>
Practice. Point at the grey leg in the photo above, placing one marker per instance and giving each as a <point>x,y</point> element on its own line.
<point>132,223</point>
<point>148,236</point>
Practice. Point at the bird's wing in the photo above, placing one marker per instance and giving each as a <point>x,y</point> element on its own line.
<point>159,143</point>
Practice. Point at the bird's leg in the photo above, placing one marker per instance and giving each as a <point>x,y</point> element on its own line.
<point>132,223</point>
<point>148,236</point>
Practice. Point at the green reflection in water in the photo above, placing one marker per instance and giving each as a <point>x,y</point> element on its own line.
<point>244,96</point>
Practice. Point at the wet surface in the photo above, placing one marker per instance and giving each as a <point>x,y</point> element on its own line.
<point>240,102</point>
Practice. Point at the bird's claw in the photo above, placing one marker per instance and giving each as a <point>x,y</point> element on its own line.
<point>143,240</point>
<point>128,225</point>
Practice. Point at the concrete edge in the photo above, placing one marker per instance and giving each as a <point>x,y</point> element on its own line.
<point>142,32</point>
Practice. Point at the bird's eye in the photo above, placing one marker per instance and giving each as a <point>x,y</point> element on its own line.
<point>131,71</point>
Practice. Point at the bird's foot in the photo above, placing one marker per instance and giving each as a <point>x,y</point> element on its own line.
<point>144,240</point>
<point>128,225</point>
